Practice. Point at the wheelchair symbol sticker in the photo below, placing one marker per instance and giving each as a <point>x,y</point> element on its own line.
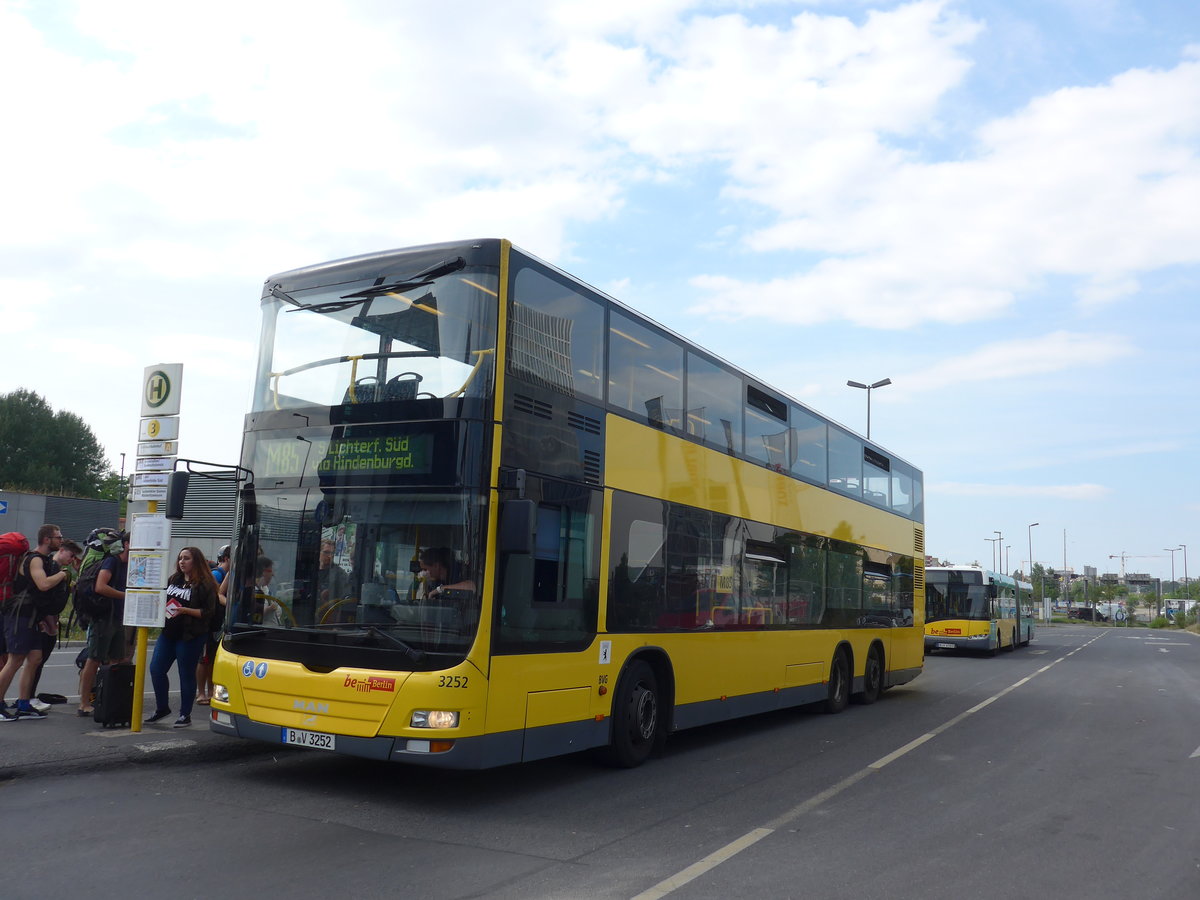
<point>248,668</point>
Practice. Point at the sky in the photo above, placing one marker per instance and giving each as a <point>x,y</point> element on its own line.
<point>993,203</point>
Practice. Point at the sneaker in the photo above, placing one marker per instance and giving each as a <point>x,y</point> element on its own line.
<point>159,714</point>
<point>39,705</point>
<point>25,711</point>
<point>183,722</point>
<point>7,714</point>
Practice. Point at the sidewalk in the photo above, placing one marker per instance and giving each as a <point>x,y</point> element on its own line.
<point>63,741</point>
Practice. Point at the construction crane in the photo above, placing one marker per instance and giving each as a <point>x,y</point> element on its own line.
<point>1124,556</point>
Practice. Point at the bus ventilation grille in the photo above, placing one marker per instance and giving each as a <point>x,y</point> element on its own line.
<point>583,423</point>
<point>591,466</point>
<point>533,407</point>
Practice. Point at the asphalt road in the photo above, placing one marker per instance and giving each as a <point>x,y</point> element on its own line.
<point>1070,768</point>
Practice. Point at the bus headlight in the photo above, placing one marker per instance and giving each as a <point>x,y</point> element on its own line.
<point>221,693</point>
<point>434,718</point>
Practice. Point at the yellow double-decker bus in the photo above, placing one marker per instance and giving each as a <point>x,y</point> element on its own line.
<point>496,516</point>
<point>972,608</point>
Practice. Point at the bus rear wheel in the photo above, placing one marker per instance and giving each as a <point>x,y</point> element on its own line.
<point>635,717</point>
<point>838,697</point>
<point>872,678</point>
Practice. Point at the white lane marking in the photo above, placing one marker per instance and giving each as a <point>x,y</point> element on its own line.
<point>730,850</point>
<point>1195,755</point>
<point>697,869</point>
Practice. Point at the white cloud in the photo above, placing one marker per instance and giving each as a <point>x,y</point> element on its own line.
<point>1021,358</point>
<point>1098,184</point>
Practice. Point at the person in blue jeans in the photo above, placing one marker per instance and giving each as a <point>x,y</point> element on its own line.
<point>191,601</point>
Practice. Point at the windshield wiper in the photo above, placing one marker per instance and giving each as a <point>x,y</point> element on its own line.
<point>412,654</point>
<point>280,294</point>
<point>232,636</point>
<point>421,279</point>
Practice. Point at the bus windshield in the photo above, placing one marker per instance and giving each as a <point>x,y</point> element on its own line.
<point>421,325</point>
<point>953,599</point>
<point>400,566</point>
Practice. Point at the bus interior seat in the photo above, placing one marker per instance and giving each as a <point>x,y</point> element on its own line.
<point>402,387</point>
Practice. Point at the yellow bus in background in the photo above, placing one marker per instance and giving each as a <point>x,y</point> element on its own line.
<point>496,516</point>
<point>972,608</point>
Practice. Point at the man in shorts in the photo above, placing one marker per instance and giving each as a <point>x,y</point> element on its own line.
<point>106,636</point>
<point>38,574</point>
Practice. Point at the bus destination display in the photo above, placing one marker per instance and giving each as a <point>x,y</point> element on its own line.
<point>390,454</point>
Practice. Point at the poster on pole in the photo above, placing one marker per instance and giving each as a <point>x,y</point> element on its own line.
<point>148,570</point>
<point>145,609</point>
<point>150,531</point>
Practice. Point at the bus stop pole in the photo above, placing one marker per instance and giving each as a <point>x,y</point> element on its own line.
<point>139,664</point>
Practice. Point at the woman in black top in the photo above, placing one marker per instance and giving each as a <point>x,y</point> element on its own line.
<point>191,600</point>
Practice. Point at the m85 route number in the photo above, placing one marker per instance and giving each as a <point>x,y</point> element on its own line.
<point>452,681</point>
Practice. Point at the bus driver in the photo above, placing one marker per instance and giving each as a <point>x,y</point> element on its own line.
<point>441,572</point>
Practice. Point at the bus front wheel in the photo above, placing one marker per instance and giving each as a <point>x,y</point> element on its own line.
<point>635,717</point>
<point>838,697</point>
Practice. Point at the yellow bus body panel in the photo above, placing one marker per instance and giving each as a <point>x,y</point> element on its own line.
<point>957,628</point>
<point>355,702</point>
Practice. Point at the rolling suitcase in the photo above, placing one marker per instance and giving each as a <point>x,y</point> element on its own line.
<point>114,696</point>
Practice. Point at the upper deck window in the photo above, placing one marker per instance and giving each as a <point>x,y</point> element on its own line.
<point>810,445</point>
<point>845,462</point>
<point>645,372</point>
<point>766,428</point>
<point>556,336</point>
<point>714,413</point>
<point>420,325</point>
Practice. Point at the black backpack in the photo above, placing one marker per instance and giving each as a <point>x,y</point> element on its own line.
<point>90,606</point>
<point>26,598</point>
<point>53,601</point>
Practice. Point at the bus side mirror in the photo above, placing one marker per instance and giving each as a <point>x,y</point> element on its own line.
<point>518,525</point>
<point>177,487</point>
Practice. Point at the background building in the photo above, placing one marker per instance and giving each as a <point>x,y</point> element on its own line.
<point>76,517</point>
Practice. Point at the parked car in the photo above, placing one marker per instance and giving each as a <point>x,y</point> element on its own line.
<point>1086,614</point>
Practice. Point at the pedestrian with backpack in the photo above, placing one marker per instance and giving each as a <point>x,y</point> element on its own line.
<point>68,557</point>
<point>13,547</point>
<point>34,592</point>
<point>106,633</point>
<point>191,600</point>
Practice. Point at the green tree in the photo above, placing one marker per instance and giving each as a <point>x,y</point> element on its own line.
<point>48,452</point>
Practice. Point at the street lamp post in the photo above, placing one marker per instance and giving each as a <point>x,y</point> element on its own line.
<point>1187,591</point>
<point>868,388</point>
<point>1032,526</point>
<point>993,542</point>
<point>1172,551</point>
<point>1000,548</point>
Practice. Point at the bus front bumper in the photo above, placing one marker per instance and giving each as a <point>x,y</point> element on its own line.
<point>946,642</point>
<point>478,752</point>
